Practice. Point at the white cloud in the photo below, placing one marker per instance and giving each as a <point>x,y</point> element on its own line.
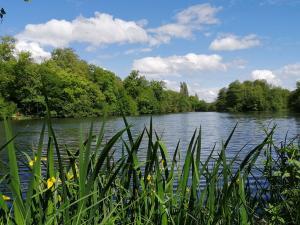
<point>37,53</point>
<point>137,50</point>
<point>102,29</point>
<point>207,94</point>
<point>238,63</point>
<point>291,70</point>
<point>198,15</point>
<point>267,75</point>
<point>172,85</point>
<point>285,76</point>
<point>186,22</point>
<point>163,34</point>
<point>174,65</point>
<point>232,42</point>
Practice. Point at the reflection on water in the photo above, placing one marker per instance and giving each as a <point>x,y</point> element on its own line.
<point>172,127</point>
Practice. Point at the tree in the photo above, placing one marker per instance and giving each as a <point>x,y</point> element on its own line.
<point>135,84</point>
<point>147,103</point>
<point>6,108</point>
<point>255,95</point>
<point>221,102</point>
<point>26,89</point>
<point>184,89</point>
<point>294,99</point>
<point>7,46</point>
<point>77,89</point>
<point>67,59</point>
<point>234,96</point>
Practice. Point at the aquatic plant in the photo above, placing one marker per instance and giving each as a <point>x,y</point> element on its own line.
<point>96,187</point>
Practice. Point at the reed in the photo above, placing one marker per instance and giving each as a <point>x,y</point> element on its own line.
<point>95,187</point>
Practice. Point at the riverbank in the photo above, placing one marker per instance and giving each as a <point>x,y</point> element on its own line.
<point>19,116</point>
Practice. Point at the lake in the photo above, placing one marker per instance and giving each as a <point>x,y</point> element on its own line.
<point>171,127</point>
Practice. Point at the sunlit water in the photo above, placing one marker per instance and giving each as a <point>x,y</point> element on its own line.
<point>171,127</point>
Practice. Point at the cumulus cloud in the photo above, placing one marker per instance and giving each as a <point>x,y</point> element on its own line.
<point>232,42</point>
<point>104,29</point>
<point>37,52</point>
<point>207,94</point>
<point>291,70</point>
<point>172,65</point>
<point>267,75</point>
<point>186,22</point>
<point>99,30</point>
<point>172,85</point>
<point>285,76</point>
<point>204,93</point>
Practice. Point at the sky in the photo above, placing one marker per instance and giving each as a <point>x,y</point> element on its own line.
<point>207,44</point>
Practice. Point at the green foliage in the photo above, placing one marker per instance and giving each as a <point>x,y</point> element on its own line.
<point>6,108</point>
<point>283,175</point>
<point>294,100</point>
<point>95,187</point>
<point>255,95</point>
<point>7,48</point>
<point>78,89</point>
<point>70,95</point>
<point>184,89</point>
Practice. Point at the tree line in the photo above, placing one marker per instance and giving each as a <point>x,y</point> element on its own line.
<point>258,95</point>
<point>75,88</point>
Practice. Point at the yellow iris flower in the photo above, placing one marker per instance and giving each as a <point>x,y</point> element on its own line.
<point>50,182</point>
<point>149,177</point>
<point>70,175</point>
<point>31,163</point>
<point>6,198</point>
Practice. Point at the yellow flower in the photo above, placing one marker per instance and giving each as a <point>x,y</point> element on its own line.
<point>5,198</point>
<point>70,175</point>
<point>31,163</point>
<point>149,177</point>
<point>44,158</point>
<point>50,182</point>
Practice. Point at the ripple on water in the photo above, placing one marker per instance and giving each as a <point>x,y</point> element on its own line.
<point>172,127</point>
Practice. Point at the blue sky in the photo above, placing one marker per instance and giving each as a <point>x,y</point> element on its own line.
<point>208,44</point>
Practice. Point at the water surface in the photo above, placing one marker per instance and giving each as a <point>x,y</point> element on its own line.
<point>171,127</point>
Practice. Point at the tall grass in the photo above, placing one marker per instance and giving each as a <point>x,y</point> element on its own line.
<point>94,187</point>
